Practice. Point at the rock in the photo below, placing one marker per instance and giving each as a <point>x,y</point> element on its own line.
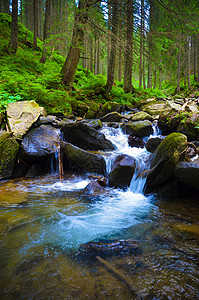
<point>93,188</point>
<point>159,107</point>
<point>21,116</point>
<point>79,108</point>
<point>107,108</point>
<point>35,170</point>
<point>40,142</point>
<point>153,143</point>
<point>135,141</point>
<point>49,120</point>
<point>86,137</point>
<point>8,153</point>
<point>112,117</point>
<point>109,248</point>
<point>165,158</point>
<point>140,128</point>
<point>140,116</point>
<point>103,181</point>
<point>78,160</point>
<point>96,124</point>
<point>122,171</point>
<point>188,172</point>
<point>188,127</point>
<point>92,111</point>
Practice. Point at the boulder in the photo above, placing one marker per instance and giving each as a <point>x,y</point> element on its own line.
<point>122,171</point>
<point>78,160</point>
<point>96,124</point>
<point>140,128</point>
<point>79,108</point>
<point>153,143</point>
<point>40,142</point>
<point>135,141</point>
<point>165,158</point>
<point>92,111</point>
<point>107,108</point>
<point>8,153</point>
<point>86,137</point>
<point>189,127</point>
<point>188,172</point>
<point>21,116</point>
<point>93,188</point>
<point>159,107</point>
<point>112,117</point>
<point>140,116</point>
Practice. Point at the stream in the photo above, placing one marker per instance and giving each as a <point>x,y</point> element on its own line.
<point>44,221</point>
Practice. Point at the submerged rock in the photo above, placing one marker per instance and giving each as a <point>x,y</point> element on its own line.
<point>109,248</point>
<point>78,160</point>
<point>8,153</point>
<point>94,188</point>
<point>165,158</point>
<point>122,171</point>
<point>21,116</point>
<point>86,137</point>
<point>135,141</point>
<point>188,172</point>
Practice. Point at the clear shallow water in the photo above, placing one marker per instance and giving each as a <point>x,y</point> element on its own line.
<point>44,221</point>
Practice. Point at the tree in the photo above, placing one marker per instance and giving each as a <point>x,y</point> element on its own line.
<point>80,19</point>
<point>14,28</point>
<point>112,58</point>
<point>46,29</point>
<point>128,63</point>
<point>35,11</point>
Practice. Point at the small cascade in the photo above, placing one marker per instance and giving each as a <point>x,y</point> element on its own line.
<point>54,163</point>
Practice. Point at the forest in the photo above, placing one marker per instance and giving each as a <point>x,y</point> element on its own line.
<point>127,50</point>
<point>99,149</point>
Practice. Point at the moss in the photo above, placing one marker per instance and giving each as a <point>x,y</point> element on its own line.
<point>8,152</point>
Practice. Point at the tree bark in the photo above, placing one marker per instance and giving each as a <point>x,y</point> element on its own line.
<point>197,57</point>
<point>185,63</point>
<point>141,43</point>
<point>194,57</point>
<point>35,12</point>
<point>14,29</point>
<point>128,63</point>
<point>46,30</point>
<point>178,84</point>
<point>91,54</point>
<point>188,62</point>
<point>155,78</point>
<point>4,6</point>
<point>112,60</point>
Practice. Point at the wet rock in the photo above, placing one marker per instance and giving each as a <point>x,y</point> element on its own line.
<point>189,127</point>
<point>155,109</point>
<point>153,143</point>
<point>21,116</point>
<point>109,248</point>
<point>79,108</point>
<point>108,108</point>
<point>78,160</point>
<point>165,158</point>
<point>92,111</point>
<point>40,142</point>
<point>140,128</point>
<point>140,116</point>
<point>112,117</point>
<point>103,181</point>
<point>96,124</point>
<point>8,153</point>
<point>94,188</point>
<point>86,137</point>
<point>188,172</point>
<point>122,171</point>
<point>35,170</point>
<point>135,141</point>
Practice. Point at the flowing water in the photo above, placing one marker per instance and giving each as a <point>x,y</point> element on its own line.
<point>44,221</point>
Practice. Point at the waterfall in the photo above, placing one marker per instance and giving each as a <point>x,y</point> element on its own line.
<point>141,155</point>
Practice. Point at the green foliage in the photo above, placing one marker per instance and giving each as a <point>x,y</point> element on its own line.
<point>5,99</point>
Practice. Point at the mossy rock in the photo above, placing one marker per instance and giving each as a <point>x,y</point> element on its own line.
<point>188,173</point>
<point>92,111</point>
<point>79,108</point>
<point>165,158</point>
<point>188,127</point>
<point>112,117</point>
<point>140,128</point>
<point>157,108</point>
<point>108,108</point>
<point>141,116</point>
<point>8,153</point>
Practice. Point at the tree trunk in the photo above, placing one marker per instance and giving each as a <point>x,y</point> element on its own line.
<point>109,30</point>
<point>46,30</point>
<point>91,54</point>
<point>141,43</point>
<point>194,57</point>
<point>120,63</point>
<point>185,63</point>
<point>188,62</point>
<point>21,11</point>
<point>35,12</point>
<point>155,78</point>
<point>197,57</point>
<point>178,84</point>
<point>128,63</point>
<point>143,66</point>
<point>112,60</point>
<point>14,29</point>
<point>160,79</point>
<point>5,6</point>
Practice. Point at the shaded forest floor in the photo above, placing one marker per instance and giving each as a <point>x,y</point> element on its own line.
<point>23,77</point>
